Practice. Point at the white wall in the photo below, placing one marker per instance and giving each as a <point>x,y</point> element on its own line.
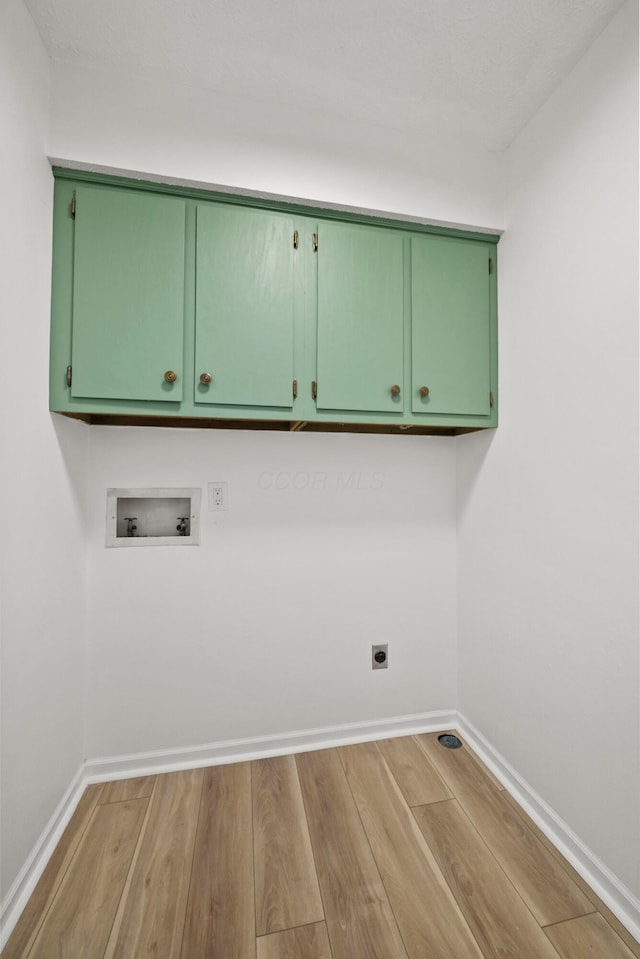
<point>331,542</point>
<point>227,640</point>
<point>42,467</point>
<point>124,120</point>
<point>548,506</point>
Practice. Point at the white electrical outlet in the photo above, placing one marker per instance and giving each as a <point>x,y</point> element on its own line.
<point>218,496</point>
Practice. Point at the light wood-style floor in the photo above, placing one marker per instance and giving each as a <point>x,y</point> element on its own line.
<point>400,849</point>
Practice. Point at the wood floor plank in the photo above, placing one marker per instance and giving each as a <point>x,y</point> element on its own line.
<point>26,930</point>
<point>220,922</point>
<point>587,936</point>
<point>304,942</point>
<point>460,769</point>
<point>409,871</point>
<point>575,876</point>
<point>499,919</point>
<point>81,916</point>
<point>151,919</point>
<point>287,892</point>
<point>474,848</point>
<point>121,790</point>
<point>416,776</point>
<point>544,885</point>
<point>359,919</point>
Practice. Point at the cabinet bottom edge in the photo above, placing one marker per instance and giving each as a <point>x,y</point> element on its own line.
<point>195,422</point>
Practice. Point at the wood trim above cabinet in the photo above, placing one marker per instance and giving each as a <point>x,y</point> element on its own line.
<point>283,204</point>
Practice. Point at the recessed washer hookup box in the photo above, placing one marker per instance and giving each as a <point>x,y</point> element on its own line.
<point>153,517</point>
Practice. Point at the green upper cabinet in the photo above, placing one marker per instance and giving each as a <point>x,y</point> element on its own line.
<point>244,344</point>
<point>450,326</point>
<point>359,319</point>
<point>128,295</point>
<point>174,301</point>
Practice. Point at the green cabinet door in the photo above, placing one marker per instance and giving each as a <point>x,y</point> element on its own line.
<point>360,319</point>
<point>128,295</point>
<point>450,304</point>
<point>244,307</point>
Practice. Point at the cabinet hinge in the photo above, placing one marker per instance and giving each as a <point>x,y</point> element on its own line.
<point>314,242</point>
<point>295,239</point>
<point>69,376</point>
<point>490,265</point>
<point>491,400</point>
<point>73,208</point>
<point>295,389</point>
<point>314,390</point>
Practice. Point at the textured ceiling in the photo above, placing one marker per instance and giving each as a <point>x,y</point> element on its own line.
<point>480,68</point>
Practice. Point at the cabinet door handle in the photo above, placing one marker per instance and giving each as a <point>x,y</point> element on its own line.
<point>395,390</point>
<point>170,376</point>
<point>424,392</point>
<point>205,378</point>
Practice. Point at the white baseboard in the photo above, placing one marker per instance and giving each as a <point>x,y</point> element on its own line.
<point>620,900</point>
<point>617,897</point>
<point>25,882</point>
<point>260,747</point>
